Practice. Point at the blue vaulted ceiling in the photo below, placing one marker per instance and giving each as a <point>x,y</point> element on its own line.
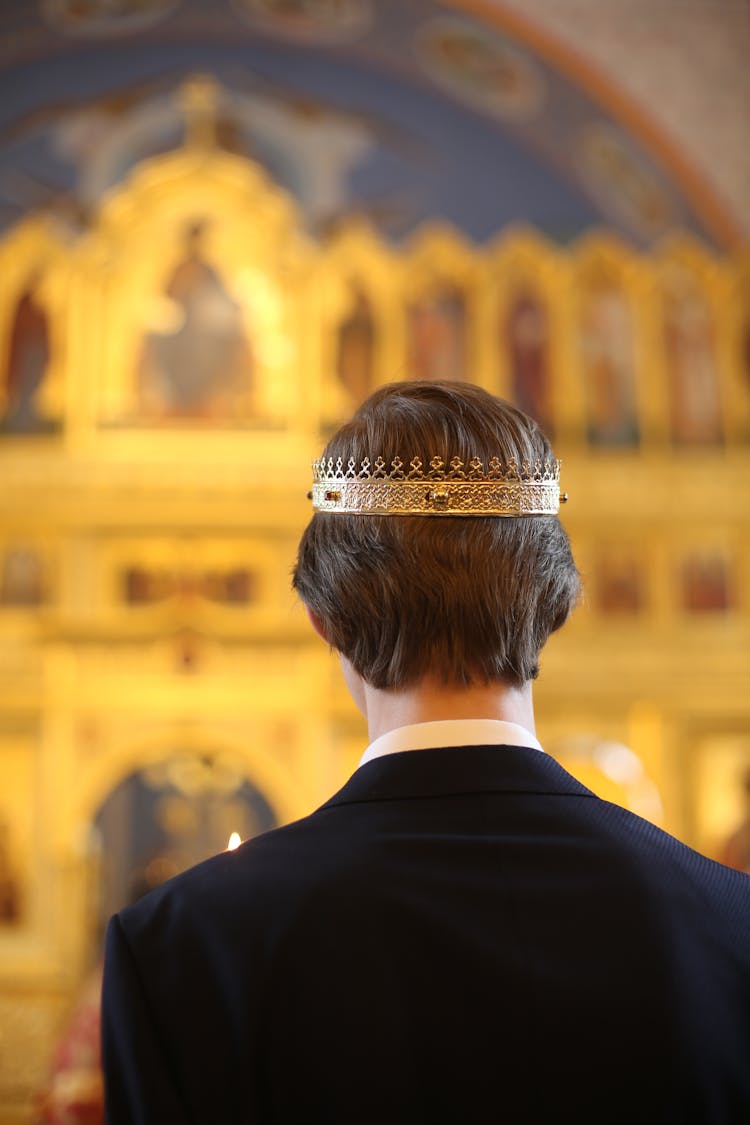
<point>402,112</point>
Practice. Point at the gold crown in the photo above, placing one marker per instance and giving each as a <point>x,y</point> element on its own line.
<point>440,489</point>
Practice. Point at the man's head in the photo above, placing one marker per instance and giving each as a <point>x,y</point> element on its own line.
<point>459,599</point>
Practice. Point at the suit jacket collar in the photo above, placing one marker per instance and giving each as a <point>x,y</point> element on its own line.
<point>452,770</point>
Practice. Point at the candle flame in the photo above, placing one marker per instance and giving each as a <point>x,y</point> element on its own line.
<point>234,842</point>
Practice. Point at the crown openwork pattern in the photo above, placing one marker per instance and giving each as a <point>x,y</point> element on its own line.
<point>456,488</point>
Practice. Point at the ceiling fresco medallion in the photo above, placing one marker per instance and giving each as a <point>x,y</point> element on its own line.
<point>308,21</point>
<point>483,69</point>
<point>105,17</point>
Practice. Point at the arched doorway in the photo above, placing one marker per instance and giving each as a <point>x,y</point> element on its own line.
<point>165,817</point>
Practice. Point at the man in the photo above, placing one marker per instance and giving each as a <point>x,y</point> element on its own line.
<point>462,934</point>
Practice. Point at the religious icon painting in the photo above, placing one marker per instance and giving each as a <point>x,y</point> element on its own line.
<point>24,578</point>
<point>355,346</point>
<point>524,336</point>
<point>227,585</point>
<point>170,815</point>
<point>620,588</point>
<point>25,364</point>
<point>195,361</point>
<point>143,585</point>
<point>705,582</point>
<point>606,347</point>
<point>19,828</point>
<point>10,878</point>
<point>436,333</point>
<point>692,373</point>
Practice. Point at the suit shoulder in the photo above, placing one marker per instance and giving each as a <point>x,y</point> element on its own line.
<point>668,863</point>
<point>255,879</point>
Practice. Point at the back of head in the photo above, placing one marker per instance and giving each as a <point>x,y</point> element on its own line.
<point>461,599</point>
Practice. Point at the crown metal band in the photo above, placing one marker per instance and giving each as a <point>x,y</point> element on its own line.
<point>455,489</point>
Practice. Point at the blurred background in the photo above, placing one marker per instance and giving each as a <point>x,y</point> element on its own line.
<point>221,225</point>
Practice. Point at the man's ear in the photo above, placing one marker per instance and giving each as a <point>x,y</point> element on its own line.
<point>317,624</point>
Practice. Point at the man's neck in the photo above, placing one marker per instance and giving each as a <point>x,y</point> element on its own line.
<point>431,701</point>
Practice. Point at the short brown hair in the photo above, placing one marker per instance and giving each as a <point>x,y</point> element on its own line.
<point>461,599</point>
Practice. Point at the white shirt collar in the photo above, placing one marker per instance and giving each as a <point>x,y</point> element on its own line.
<point>450,732</point>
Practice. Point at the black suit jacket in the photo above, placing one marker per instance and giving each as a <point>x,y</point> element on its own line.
<point>459,936</point>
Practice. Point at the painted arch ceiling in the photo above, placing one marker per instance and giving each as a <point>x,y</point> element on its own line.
<point>564,114</point>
